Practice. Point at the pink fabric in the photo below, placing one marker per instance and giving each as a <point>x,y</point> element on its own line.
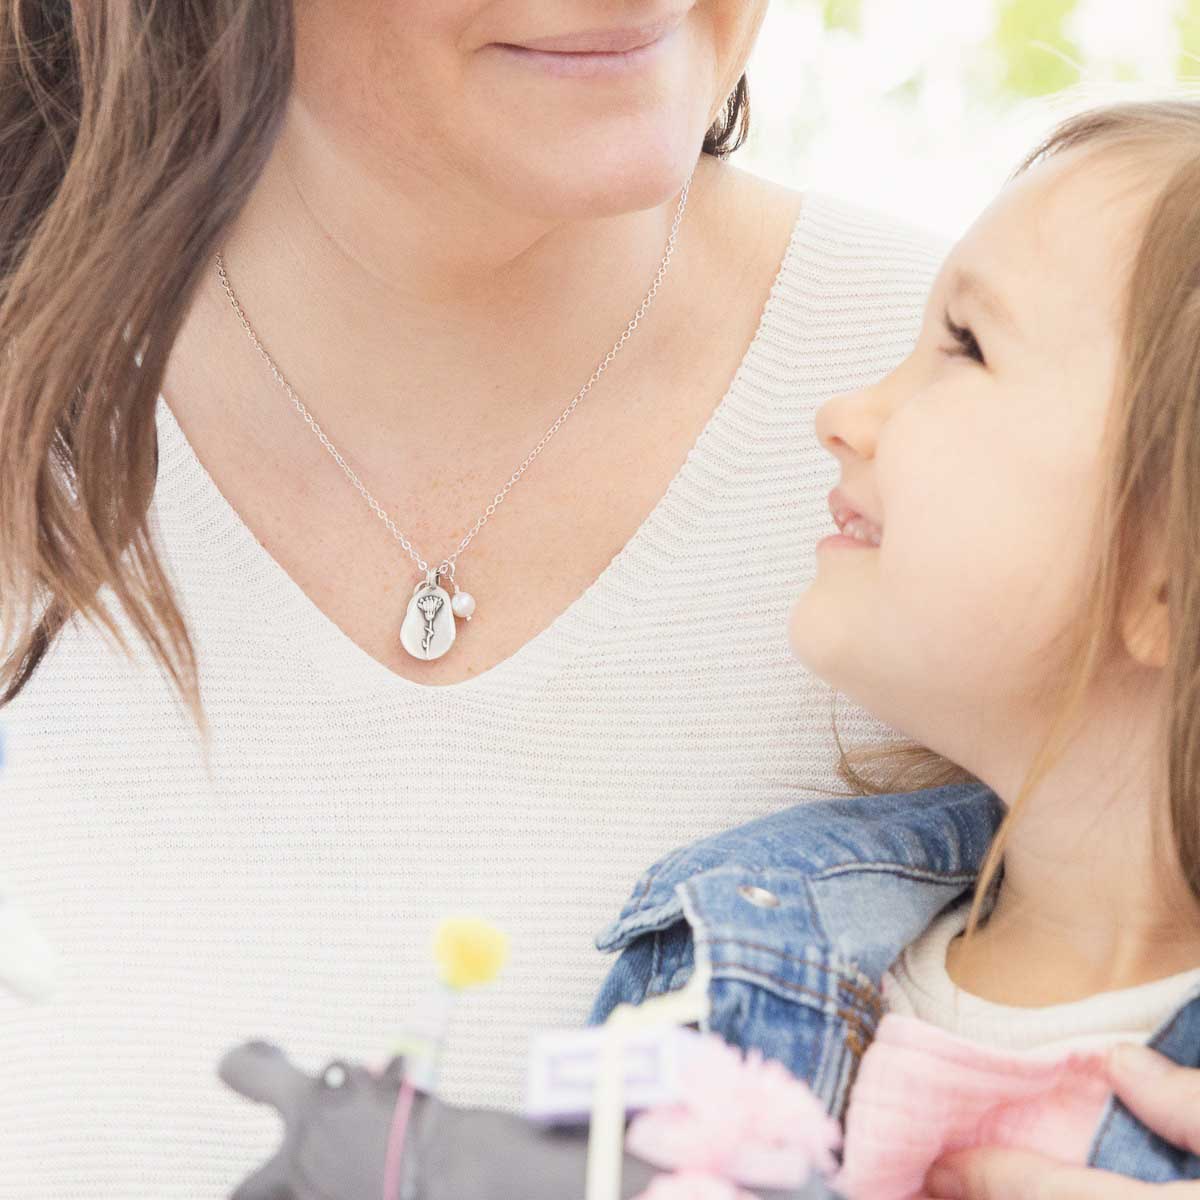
<point>921,1092</point>
<point>692,1186</point>
<point>745,1119</point>
<point>741,1120</point>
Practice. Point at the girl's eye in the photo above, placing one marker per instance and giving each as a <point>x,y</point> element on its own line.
<point>964,340</point>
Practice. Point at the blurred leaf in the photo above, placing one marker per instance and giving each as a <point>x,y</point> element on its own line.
<point>1187,22</point>
<point>1037,54</point>
<point>908,90</point>
<point>843,14</point>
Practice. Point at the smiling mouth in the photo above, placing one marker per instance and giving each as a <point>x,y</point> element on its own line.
<point>854,525</point>
<point>601,41</point>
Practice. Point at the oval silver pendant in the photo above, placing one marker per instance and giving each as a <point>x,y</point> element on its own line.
<point>428,630</point>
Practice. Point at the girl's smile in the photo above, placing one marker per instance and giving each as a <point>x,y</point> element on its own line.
<point>856,529</point>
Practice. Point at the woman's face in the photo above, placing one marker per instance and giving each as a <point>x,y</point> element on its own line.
<point>433,94</point>
<point>983,478</point>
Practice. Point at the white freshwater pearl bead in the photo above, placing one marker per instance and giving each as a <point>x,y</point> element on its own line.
<point>463,604</point>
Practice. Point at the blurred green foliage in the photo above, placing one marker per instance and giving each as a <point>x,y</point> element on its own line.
<point>843,14</point>
<point>1038,56</point>
<point>1188,24</point>
<point>1029,50</point>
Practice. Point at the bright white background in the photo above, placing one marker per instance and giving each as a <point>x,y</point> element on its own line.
<point>922,107</point>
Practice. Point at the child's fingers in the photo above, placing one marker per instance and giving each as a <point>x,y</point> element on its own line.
<point>1160,1093</point>
<point>991,1174</point>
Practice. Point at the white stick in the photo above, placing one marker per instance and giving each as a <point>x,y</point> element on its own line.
<point>606,1135</point>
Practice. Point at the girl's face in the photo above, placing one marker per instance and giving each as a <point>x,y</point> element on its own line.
<point>979,459</point>
<point>433,95</point>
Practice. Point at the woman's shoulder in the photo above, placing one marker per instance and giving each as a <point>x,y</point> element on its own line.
<point>848,285</point>
<point>839,241</point>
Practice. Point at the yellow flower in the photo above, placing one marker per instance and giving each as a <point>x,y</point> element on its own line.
<point>469,951</point>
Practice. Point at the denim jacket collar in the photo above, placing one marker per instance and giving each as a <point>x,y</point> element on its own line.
<point>815,866</point>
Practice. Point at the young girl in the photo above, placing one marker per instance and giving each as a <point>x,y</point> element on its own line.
<point>1015,583</point>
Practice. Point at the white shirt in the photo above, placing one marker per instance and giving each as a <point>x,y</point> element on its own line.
<point>292,895</point>
<point>918,985</point>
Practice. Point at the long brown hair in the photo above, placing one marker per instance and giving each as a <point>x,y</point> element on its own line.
<point>1152,489</point>
<point>130,137</point>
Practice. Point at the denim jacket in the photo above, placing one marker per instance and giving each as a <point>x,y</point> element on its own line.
<point>800,913</point>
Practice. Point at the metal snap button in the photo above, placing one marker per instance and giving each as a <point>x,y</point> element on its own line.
<point>757,896</point>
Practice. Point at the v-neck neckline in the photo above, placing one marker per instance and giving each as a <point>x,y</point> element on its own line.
<point>199,520</point>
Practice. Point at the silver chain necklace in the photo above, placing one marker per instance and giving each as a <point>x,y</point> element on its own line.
<point>428,629</point>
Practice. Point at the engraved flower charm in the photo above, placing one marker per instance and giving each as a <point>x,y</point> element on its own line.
<point>428,628</point>
<point>430,606</point>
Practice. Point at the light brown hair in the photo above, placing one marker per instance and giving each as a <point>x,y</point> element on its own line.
<point>1152,488</point>
<point>130,137</point>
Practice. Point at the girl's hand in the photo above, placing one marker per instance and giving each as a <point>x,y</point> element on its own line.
<point>1161,1094</point>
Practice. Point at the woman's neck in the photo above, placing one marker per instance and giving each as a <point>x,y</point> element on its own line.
<point>394,300</point>
<point>1090,901</point>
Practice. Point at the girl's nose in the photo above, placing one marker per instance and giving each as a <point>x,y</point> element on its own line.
<point>848,425</point>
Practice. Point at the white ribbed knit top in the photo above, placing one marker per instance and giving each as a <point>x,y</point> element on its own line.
<point>292,896</point>
<point>918,985</point>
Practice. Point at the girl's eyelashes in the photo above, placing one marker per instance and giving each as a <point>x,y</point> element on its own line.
<point>964,340</point>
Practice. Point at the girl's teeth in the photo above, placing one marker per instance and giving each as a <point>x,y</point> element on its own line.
<point>862,530</point>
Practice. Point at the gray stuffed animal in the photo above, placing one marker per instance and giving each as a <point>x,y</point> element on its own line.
<point>336,1129</point>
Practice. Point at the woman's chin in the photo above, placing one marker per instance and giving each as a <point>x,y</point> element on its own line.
<point>578,157</point>
<point>629,169</point>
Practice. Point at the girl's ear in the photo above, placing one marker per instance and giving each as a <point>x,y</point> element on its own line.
<point>1144,628</point>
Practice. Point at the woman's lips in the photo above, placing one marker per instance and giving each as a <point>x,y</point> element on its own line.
<point>602,41</point>
<point>640,47</point>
